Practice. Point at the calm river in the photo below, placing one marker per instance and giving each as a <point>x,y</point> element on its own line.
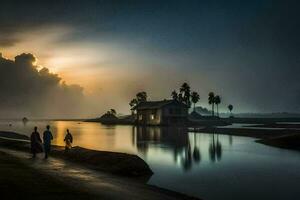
<point>209,166</point>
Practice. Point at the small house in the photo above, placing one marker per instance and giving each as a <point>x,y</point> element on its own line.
<point>166,112</point>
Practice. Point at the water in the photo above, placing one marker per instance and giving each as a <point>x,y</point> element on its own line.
<point>208,166</point>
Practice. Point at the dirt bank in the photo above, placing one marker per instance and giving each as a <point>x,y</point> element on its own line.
<point>111,162</point>
<point>291,141</point>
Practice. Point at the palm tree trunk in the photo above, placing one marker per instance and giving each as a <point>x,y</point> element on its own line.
<point>218,110</point>
<point>194,107</point>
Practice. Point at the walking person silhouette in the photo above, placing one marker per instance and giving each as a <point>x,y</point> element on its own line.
<point>36,142</point>
<point>47,137</point>
<point>68,140</point>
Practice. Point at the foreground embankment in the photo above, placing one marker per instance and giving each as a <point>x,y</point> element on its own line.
<point>112,162</point>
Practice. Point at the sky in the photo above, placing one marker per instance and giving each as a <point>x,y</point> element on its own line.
<point>245,51</point>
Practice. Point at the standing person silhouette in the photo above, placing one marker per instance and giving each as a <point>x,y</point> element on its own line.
<point>36,143</point>
<point>68,140</point>
<point>47,141</point>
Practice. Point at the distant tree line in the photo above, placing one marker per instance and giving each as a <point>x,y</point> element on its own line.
<point>186,96</point>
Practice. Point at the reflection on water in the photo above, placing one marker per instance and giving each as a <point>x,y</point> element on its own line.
<point>184,147</point>
<point>210,166</point>
<point>215,149</point>
<point>174,140</point>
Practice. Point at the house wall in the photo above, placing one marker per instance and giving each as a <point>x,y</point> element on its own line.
<point>149,117</point>
<point>169,114</point>
<point>175,111</point>
<point>174,114</point>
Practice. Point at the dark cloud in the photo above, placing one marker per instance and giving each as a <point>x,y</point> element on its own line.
<point>29,91</point>
<point>18,16</point>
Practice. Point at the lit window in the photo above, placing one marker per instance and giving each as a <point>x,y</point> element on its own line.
<point>151,116</point>
<point>140,117</point>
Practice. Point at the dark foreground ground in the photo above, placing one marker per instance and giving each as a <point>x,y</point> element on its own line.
<point>19,181</point>
<point>78,174</point>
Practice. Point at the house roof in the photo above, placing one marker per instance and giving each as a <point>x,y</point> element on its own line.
<point>156,104</point>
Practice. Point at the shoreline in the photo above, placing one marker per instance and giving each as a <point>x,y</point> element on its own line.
<point>111,162</point>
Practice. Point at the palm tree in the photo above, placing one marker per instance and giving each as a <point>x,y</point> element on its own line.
<point>180,97</point>
<point>141,97</point>
<point>217,101</point>
<point>230,108</point>
<point>195,98</point>
<point>133,102</point>
<point>211,101</point>
<point>174,95</point>
<point>113,111</point>
<point>185,90</point>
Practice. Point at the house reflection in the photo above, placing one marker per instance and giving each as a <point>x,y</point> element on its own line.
<point>185,147</point>
<point>175,139</point>
<point>172,139</point>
